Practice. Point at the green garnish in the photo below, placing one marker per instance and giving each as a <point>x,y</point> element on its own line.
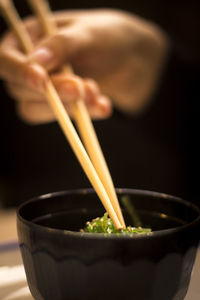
<point>105,225</point>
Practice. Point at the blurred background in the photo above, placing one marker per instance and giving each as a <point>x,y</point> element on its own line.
<point>156,150</point>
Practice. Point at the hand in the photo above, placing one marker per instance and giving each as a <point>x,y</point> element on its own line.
<point>121,52</point>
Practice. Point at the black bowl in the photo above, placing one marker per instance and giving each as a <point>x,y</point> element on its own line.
<point>62,263</point>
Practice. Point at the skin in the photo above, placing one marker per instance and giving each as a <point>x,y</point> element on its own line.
<point>123,54</point>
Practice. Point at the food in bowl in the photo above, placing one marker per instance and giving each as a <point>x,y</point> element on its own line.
<point>105,225</point>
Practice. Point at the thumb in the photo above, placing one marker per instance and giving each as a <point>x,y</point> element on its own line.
<point>57,49</point>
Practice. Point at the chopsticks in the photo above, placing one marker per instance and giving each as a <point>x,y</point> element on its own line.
<point>11,16</point>
<point>81,115</point>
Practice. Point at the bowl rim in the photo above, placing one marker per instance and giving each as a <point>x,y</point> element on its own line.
<point>87,235</point>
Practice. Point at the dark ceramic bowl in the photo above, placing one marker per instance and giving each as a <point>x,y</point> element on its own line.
<point>62,263</point>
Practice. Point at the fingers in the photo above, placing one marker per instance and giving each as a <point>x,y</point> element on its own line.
<point>71,88</point>
<point>39,112</point>
<point>33,107</point>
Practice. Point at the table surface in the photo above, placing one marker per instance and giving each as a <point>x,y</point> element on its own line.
<point>10,262</point>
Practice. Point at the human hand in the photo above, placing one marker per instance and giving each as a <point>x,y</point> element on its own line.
<point>121,52</point>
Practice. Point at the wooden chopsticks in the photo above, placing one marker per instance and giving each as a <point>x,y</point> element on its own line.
<point>81,116</point>
<point>105,192</point>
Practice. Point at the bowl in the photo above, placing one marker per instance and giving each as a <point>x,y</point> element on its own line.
<point>62,263</point>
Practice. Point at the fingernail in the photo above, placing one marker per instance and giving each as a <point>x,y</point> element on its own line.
<point>43,56</point>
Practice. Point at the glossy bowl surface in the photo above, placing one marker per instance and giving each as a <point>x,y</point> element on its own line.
<point>61,263</point>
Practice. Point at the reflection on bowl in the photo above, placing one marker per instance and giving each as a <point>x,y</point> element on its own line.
<point>61,263</point>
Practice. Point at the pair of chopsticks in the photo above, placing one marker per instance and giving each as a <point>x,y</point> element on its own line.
<point>94,164</point>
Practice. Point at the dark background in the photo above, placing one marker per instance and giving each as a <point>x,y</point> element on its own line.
<point>157,150</point>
